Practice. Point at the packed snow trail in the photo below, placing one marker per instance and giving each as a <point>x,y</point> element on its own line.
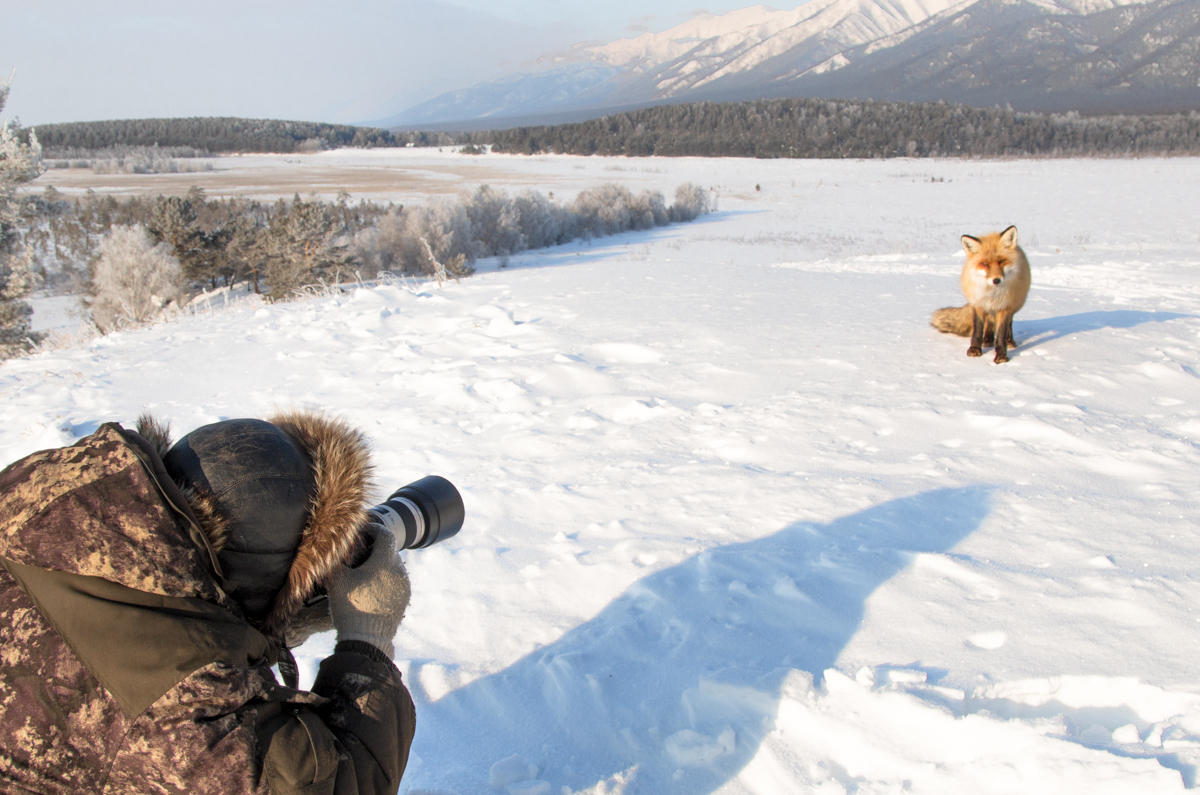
<point>739,520</point>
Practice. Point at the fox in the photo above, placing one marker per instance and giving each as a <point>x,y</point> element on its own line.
<point>995,280</point>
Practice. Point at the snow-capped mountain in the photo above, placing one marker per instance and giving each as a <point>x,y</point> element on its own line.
<point>1130,58</point>
<point>757,41</point>
<point>1049,54</point>
<point>702,53</point>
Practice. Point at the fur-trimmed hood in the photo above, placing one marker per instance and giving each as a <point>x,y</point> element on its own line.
<point>341,472</point>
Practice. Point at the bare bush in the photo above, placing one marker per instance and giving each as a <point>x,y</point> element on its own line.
<point>313,145</point>
<point>133,280</point>
<point>123,159</point>
<point>146,165</point>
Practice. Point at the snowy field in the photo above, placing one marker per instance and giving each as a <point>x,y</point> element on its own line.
<point>739,520</point>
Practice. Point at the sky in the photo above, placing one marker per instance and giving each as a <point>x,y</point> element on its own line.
<point>315,60</point>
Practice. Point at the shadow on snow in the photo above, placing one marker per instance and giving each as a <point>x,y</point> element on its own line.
<point>1031,333</point>
<point>679,677</point>
<point>605,247</point>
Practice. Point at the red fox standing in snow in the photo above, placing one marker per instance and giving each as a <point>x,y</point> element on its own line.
<point>995,280</point>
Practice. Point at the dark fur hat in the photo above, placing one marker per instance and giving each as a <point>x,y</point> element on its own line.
<point>337,484</point>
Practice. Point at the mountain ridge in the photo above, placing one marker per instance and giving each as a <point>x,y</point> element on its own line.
<point>658,66</point>
<point>1034,54</point>
<point>1127,58</point>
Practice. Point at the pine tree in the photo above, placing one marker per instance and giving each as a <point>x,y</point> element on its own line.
<point>19,163</point>
<point>245,249</point>
<point>174,221</point>
<point>303,243</point>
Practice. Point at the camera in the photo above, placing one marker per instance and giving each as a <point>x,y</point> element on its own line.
<point>418,515</point>
<point>422,513</point>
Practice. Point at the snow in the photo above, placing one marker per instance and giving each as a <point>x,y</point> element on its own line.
<point>739,520</point>
<point>54,312</point>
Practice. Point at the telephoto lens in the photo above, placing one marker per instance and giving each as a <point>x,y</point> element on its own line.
<point>419,515</point>
<point>422,513</point>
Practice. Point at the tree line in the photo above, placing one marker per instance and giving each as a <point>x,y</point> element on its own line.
<point>218,135</point>
<point>819,128</point>
<point>799,128</point>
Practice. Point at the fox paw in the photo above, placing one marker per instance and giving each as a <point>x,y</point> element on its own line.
<point>1001,358</point>
<point>974,351</point>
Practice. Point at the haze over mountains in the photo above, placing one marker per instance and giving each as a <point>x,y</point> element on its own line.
<point>1089,55</point>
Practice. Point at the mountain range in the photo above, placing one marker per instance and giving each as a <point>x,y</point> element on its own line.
<point>1057,55</point>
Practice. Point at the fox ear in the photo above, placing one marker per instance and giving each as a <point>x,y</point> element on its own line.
<point>1008,238</point>
<point>971,245</point>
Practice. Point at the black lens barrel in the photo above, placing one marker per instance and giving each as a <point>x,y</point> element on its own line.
<point>430,510</point>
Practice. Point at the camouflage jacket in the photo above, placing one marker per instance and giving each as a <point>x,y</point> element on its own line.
<point>124,667</point>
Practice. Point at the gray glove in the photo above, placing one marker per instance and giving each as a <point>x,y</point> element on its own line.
<point>367,602</point>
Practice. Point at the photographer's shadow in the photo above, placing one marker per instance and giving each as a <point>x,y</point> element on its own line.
<point>679,677</point>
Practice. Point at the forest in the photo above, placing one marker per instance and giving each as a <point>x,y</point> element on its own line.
<point>818,128</point>
<point>766,128</point>
<point>217,135</point>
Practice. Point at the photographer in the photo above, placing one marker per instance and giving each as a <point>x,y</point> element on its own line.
<point>147,589</point>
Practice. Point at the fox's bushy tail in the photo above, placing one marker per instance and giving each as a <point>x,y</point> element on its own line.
<point>954,320</point>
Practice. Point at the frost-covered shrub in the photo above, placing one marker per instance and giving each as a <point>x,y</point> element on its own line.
<point>691,201</point>
<point>446,227</point>
<point>648,210</point>
<point>611,208</point>
<point>544,223</point>
<point>495,222</point>
<point>133,280</point>
<point>141,164</point>
<point>490,223</point>
<point>375,247</point>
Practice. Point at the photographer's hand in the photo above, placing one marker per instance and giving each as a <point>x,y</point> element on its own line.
<point>368,601</point>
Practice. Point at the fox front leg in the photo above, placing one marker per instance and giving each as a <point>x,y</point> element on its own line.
<point>1003,335</point>
<point>978,322</point>
<point>989,332</point>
